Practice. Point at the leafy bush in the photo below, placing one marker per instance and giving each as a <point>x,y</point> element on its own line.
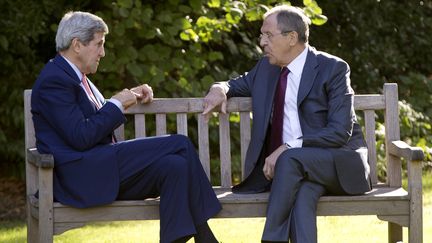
<point>385,41</point>
<point>180,47</point>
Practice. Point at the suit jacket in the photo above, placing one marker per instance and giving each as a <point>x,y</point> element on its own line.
<point>326,113</point>
<point>68,125</point>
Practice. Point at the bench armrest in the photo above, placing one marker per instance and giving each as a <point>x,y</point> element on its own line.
<point>403,150</point>
<point>40,160</point>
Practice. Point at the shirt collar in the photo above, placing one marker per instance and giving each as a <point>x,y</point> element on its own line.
<point>296,66</point>
<point>75,68</point>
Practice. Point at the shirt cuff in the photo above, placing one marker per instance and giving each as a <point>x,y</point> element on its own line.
<point>297,143</point>
<point>116,103</point>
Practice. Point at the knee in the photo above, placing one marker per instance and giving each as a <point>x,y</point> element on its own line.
<point>288,164</point>
<point>180,138</point>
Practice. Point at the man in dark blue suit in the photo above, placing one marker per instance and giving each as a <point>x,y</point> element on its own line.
<point>305,137</point>
<point>75,123</point>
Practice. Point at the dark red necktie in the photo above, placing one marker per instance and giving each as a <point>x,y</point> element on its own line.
<point>278,111</point>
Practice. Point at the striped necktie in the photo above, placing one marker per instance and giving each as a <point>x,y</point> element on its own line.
<point>89,92</point>
<point>93,99</point>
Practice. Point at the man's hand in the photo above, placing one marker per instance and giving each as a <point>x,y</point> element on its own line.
<point>270,162</point>
<point>216,96</point>
<point>126,97</point>
<point>144,93</point>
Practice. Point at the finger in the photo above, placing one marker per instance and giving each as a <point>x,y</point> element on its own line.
<point>224,107</point>
<point>267,176</point>
<point>265,171</point>
<point>145,99</point>
<point>207,107</point>
<point>207,117</point>
<point>138,95</point>
<point>270,173</point>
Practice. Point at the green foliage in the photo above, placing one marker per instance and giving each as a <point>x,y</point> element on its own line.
<point>416,128</point>
<point>385,41</point>
<point>180,47</point>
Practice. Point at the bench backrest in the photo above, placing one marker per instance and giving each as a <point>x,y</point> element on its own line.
<point>185,108</point>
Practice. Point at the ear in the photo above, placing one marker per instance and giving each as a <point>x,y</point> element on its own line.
<point>76,45</point>
<point>293,38</point>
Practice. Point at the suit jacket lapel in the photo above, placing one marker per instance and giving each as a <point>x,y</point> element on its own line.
<point>309,73</point>
<point>63,64</point>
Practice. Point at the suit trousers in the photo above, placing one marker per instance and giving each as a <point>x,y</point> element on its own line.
<point>301,176</point>
<point>169,167</point>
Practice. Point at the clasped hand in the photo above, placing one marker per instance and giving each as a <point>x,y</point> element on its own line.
<point>129,97</point>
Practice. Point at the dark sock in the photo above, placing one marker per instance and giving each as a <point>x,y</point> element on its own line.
<point>183,239</point>
<point>204,234</point>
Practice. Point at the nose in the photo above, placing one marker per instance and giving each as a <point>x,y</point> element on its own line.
<point>102,54</point>
<point>263,42</point>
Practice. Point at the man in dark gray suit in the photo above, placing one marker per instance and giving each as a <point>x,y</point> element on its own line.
<point>306,144</point>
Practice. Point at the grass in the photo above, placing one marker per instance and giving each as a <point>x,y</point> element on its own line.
<point>247,230</point>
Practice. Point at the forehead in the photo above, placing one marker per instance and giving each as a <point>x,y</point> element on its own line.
<point>98,36</point>
<point>269,24</point>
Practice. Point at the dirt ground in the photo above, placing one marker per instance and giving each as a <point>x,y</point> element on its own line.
<point>12,199</point>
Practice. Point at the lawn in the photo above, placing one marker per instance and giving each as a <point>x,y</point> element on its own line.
<point>330,229</point>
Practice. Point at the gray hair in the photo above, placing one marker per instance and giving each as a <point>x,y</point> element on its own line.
<point>291,18</point>
<point>81,25</point>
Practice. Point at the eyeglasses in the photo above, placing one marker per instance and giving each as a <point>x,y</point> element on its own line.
<point>269,35</point>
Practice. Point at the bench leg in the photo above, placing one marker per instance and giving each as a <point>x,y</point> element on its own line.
<point>32,227</point>
<point>415,230</point>
<point>46,223</point>
<point>394,232</point>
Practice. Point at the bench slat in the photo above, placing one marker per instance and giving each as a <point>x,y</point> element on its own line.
<point>392,133</point>
<point>140,126</point>
<point>245,137</point>
<point>370,139</point>
<point>369,102</point>
<point>203,144</point>
<point>225,150</point>
<point>377,201</point>
<point>119,133</point>
<point>161,128</point>
<point>182,125</point>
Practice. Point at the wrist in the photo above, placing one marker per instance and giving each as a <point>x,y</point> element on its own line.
<point>221,88</point>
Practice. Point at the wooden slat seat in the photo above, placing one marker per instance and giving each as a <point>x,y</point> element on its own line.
<point>388,200</point>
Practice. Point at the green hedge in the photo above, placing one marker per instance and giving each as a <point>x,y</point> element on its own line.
<point>181,47</point>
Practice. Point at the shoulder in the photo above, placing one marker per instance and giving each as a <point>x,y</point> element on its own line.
<point>56,72</point>
<point>325,59</point>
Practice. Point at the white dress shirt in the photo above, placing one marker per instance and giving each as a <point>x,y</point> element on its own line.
<point>291,123</point>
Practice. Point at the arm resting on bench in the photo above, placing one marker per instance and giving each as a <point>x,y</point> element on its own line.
<point>40,160</point>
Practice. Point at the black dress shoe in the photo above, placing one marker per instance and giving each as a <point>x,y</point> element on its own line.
<point>254,183</point>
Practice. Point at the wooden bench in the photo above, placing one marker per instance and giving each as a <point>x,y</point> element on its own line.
<point>388,200</point>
